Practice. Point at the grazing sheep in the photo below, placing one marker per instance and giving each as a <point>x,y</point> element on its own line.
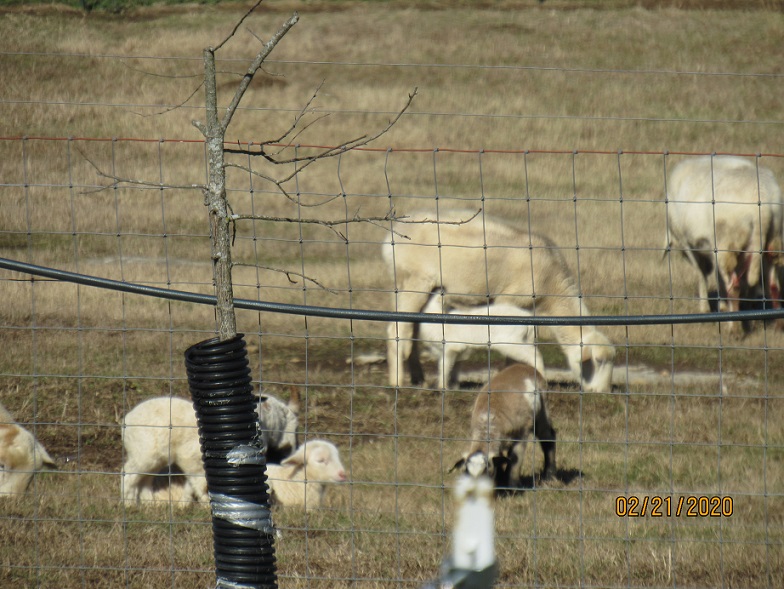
<point>507,411</point>
<point>735,243</point>
<point>20,456</point>
<point>450,342</point>
<point>301,480</point>
<point>161,440</point>
<point>487,259</point>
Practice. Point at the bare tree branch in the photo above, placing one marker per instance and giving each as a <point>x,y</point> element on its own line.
<point>308,160</point>
<point>238,25</point>
<point>305,109</point>
<point>254,67</point>
<point>439,221</point>
<point>376,221</point>
<point>279,184</point>
<point>332,151</point>
<point>117,180</point>
<point>176,106</point>
<point>390,216</point>
<point>289,274</point>
<point>274,181</point>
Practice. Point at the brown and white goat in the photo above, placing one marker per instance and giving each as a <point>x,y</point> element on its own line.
<point>508,411</point>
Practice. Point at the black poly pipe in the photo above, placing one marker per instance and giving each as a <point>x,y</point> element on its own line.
<point>367,315</point>
<point>232,450</point>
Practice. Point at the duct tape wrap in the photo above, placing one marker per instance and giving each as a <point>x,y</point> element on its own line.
<point>226,412</point>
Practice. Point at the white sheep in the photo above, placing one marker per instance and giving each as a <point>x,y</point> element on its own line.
<point>21,455</point>
<point>507,412</point>
<point>725,214</point>
<point>301,479</point>
<point>450,342</point>
<point>161,440</point>
<point>486,259</point>
<point>157,434</point>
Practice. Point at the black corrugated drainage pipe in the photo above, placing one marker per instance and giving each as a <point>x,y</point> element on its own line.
<point>233,454</point>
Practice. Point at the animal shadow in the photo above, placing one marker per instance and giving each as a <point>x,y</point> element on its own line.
<point>563,477</point>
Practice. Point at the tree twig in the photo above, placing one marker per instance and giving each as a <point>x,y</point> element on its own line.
<point>116,180</point>
<point>175,107</point>
<point>254,67</point>
<point>238,25</point>
<point>331,151</point>
<point>289,274</point>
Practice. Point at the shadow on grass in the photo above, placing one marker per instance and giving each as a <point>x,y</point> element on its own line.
<point>562,476</point>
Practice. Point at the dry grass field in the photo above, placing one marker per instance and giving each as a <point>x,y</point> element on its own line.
<point>564,117</point>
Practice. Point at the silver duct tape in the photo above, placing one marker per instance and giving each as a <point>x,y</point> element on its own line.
<point>242,513</point>
<point>246,455</point>
<point>227,584</point>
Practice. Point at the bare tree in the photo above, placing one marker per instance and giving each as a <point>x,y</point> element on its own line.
<point>215,199</point>
<point>222,218</point>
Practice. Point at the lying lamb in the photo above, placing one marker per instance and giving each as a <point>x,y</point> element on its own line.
<point>507,411</point>
<point>450,342</point>
<point>161,438</point>
<point>301,480</point>
<point>20,456</point>
<point>725,215</point>
<point>486,258</point>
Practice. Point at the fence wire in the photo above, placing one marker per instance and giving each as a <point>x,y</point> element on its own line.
<point>671,477</point>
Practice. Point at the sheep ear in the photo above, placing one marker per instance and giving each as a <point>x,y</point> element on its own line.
<point>459,464</point>
<point>298,459</point>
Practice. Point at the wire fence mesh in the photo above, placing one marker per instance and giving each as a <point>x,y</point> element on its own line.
<point>670,478</point>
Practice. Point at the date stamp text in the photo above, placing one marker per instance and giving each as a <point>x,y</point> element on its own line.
<point>683,506</point>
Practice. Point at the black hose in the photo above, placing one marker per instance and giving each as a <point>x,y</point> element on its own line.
<point>226,412</point>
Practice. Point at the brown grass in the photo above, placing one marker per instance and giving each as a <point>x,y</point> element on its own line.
<point>504,77</point>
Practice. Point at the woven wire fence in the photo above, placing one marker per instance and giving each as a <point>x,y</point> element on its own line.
<point>672,477</point>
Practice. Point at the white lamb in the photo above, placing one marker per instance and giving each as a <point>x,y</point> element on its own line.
<point>450,342</point>
<point>736,243</point>
<point>158,434</point>
<point>161,440</point>
<point>487,259</point>
<point>301,480</point>
<point>21,455</point>
<point>507,412</point>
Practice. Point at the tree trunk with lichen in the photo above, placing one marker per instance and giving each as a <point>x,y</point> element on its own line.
<point>215,199</point>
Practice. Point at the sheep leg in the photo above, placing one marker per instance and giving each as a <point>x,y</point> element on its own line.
<point>195,489</point>
<point>133,479</point>
<point>501,471</point>
<point>708,297</point>
<point>774,288</point>
<point>195,479</point>
<point>446,365</point>
<point>400,335</point>
<point>545,433</point>
<point>515,467</point>
<point>730,282</point>
<point>415,365</point>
